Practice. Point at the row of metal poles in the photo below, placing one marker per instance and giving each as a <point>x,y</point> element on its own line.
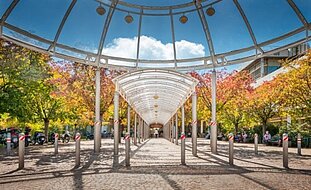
<point>284,144</point>
<point>140,133</point>
<point>171,132</point>
<point>21,151</point>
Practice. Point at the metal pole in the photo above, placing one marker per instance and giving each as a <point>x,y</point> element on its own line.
<point>176,129</point>
<point>116,129</point>
<point>299,144</point>
<point>201,128</point>
<point>97,135</point>
<point>172,130</point>
<point>231,137</point>
<point>127,149</point>
<point>183,136</point>
<point>139,129</point>
<point>256,143</point>
<point>142,130</point>
<point>135,129</point>
<point>262,67</point>
<point>8,143</point>
<point>56,143</point>
<point>77,138</point>
<point>285,150</point>
<point>194,124</point>
<point>129,119</point>
<point>214,122</point>
<point>21,150</point>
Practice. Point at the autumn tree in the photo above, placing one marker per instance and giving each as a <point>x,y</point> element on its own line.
<point>233,92</point>
<point>77,83</point>
<point>294,86</point>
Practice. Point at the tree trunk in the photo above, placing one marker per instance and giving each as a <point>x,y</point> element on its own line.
<point>46,128</point>
<point>236,128</point>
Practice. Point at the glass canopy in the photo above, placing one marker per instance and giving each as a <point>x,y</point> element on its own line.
<point>170,34</point>
<point>155,94</point>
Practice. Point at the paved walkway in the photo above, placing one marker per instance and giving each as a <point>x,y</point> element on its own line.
<point>155,164</point>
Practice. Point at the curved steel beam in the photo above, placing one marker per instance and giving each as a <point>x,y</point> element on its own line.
<point>60,28</point>
<point>298,13</point>
<point>141,80</point>
<point>160,8</point>
<point>173,37</point>
<point>206,31</point>
<point>7,13</point>
<point>249,28</point>
<point>138,37</point>
<point>105,30</point>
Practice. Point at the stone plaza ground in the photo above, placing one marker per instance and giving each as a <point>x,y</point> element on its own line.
<point>155,164</point>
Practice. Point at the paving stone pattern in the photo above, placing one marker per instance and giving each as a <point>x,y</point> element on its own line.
<point>155,164</point>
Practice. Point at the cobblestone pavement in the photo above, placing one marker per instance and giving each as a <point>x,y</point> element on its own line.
<point>155,164</point>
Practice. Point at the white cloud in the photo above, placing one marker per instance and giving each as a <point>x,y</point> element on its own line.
<point>151,48</point>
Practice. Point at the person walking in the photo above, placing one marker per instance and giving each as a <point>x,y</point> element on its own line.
<point>156,133</point>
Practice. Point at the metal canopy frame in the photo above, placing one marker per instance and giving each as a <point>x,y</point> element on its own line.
<point>101,60</point>
<point>155,94</point>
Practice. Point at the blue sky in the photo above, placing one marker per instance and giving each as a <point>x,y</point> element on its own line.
<point>268,18</point>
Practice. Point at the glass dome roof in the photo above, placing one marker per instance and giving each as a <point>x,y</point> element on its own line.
<point>172,34</point>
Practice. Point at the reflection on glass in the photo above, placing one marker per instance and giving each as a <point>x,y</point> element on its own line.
<point>35,16</point>
<point>270,19</point>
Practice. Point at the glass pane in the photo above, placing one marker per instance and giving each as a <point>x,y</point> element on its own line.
<point>24,38</point>
<point>121,63</point>
<point>189,64</point>
<point>156,38</point>
<point>4,4</point>
<point>285,42</point>
<point>227,28</point>
<point>41,18</point>
<point>122,43</point>
<point>271,18</point>
<point>190,37</point>
<point>84,26</point>
<point>305,7</point>
<point>241,55</point>
<point>156,65</point>
<point>157,2</point>
<point>70,53</point>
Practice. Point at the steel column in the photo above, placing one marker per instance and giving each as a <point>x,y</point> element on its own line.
<point>8,142</point>
<point>176,128</point>
<point>97,135</point>
<point>262,67</point>
<point>129,119</point>
<point>116,129</point>
<point>299,144</point>
<point>194,124</point>
<point>231,138</point>
<point>256,143</point>
<point>285,150</point>
<point>21,150</point>
<point>172,130</point>
<point>143,130</point>
<point>135,129</point>
<point>77,138</point>
<point>56,143</point>
<point>139,130</point>
<point>201,127</point>
<point>214,122</point>
<point>127,149</point>
<point>183,146</point>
